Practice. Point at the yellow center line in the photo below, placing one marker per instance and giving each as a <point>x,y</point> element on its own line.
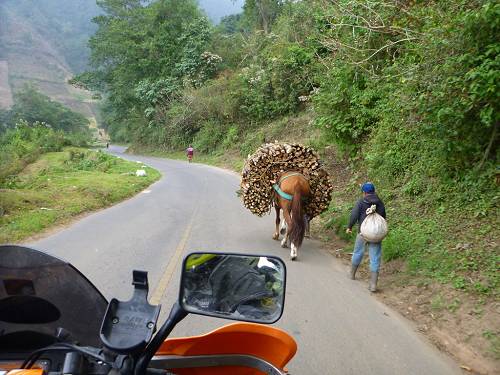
<point>172,265</point>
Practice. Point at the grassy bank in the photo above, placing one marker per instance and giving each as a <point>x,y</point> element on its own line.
<point>231,155</point>
<point>446,243</point>
<point>60,185</point>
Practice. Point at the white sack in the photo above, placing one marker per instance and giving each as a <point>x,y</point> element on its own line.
<point>374,227</point>
<point>140,173</point>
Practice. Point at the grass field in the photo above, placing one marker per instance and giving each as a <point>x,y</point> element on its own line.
<point>60,185</point>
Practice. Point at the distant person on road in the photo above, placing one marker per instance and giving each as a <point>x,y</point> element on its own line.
<point>358,214</point>
<point>190,153</point>
<point>107,144</point>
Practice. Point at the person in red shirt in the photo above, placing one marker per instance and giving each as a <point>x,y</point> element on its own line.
<point>190,153</point>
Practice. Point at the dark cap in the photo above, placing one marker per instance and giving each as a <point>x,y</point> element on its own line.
<point>368,187</point>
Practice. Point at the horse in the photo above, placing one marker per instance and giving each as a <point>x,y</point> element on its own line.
<point>289,195</point>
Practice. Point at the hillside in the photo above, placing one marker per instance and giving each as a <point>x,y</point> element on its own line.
<point>6,99</point>
<point>44,42</point>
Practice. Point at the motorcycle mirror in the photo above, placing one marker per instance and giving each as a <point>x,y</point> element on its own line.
<point>233,286</point>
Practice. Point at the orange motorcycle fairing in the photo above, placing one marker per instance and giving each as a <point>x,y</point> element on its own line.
<point>269,343</point>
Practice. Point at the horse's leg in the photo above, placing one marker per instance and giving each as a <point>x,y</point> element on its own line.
<point>283,227</point>
<point>293,251</point>
<point>307,222</point>
<point>276,235</point>
<point>288,220</point>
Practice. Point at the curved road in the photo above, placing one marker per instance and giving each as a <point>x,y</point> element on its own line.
<point>339,327</point>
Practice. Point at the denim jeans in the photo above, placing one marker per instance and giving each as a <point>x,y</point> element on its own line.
<point>375,251</point>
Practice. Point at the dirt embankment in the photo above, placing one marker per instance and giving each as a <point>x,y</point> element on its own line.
<point>457,322</point>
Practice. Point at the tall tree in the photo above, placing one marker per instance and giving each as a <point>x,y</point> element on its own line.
<point>142,46</point>
<point>262,12</point>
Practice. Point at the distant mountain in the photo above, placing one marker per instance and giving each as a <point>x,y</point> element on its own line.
<point>66,25</point>
<point>216,9</point>
<point>45,42</point>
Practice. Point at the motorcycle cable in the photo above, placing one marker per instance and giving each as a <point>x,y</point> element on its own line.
<point>35,355</point>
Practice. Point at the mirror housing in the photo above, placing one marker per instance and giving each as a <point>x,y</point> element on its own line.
<point>233,286</point>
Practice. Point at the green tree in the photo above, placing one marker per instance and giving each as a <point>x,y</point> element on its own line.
<point>139,47</point>
<point>261,13</point>
<point>4,120</point>
<point>230,24</point>
<point>32,106</point>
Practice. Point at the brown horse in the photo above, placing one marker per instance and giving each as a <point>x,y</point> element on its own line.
<point>289,193</point>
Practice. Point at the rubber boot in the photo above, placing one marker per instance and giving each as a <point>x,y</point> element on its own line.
<point>373,282</point>
<point>352,274</point>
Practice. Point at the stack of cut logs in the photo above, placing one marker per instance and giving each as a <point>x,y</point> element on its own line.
<point>269,162</point>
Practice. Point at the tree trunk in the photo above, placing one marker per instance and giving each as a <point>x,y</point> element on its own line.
<point>264,15</point>
<point>490,145</point>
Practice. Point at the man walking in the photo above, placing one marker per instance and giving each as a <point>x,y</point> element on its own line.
<point>358,214</point>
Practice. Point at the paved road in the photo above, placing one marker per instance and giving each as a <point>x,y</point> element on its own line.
<point>339,327</point>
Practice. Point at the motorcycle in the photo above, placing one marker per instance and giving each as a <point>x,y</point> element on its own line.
<point>54,321</point>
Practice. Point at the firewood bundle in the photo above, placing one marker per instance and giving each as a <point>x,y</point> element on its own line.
<point>264,168</point>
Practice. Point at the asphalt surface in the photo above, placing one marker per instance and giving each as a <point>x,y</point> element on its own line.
<point>339,327</point>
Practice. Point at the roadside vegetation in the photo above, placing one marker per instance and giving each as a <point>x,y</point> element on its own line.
<point>61,185</point>
<point>47,173</point>
<point>36,125</point>
<point>403,93</point>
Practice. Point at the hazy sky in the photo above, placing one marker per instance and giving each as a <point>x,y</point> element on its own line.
<point>216,9</point>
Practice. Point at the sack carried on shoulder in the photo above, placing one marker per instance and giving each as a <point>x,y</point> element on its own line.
<point>374,227</point>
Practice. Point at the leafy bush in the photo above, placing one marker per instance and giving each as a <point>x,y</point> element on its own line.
<point>277,84</point>
<point>419,104</point>
<point>346,106</point>
<point>26,142</point>
<point>462,102</point>
<point>209,137</point>
<point>32,106</point>
<point>90,160</point>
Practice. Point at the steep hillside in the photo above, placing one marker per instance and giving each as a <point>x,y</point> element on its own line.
<point>5,91</point>
<point>45,43</point>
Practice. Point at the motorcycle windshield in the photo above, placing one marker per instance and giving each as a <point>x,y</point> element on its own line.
<point>40,294</point>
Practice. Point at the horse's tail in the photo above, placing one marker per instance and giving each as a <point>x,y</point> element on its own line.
<point>298,225</point>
